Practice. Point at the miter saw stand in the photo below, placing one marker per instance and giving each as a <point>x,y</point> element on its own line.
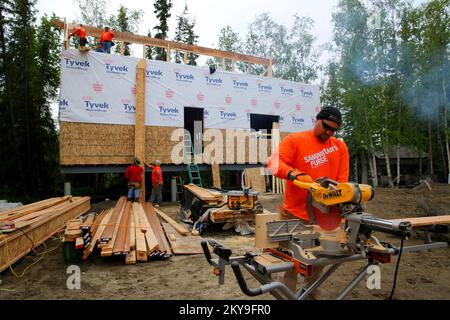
<point>294,246</point>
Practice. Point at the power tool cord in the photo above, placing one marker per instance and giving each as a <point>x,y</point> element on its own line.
<point>396,268</point>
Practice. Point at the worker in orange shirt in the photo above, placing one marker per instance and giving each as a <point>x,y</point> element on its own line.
<point>307,156</point>
<point>107,40</point>
<point>81,33</point>
<point>157,182</point>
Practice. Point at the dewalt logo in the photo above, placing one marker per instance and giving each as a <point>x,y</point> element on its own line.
<point>332,194</point>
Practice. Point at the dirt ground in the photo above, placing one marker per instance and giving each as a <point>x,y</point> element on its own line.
<point>422,275</point>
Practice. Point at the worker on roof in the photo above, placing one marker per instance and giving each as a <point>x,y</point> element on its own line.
<point>157,182</point>
<point>82,36</point>
<point>133,175</point>
<point>107,39</point>
<point>307,156</point>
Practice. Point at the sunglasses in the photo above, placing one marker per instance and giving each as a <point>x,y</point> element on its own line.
<point>328,127</point>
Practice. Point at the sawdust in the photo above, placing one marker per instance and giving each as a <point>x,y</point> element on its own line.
<point>422,275</point>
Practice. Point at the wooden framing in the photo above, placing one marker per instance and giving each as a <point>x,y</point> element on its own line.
<point>139,128</point>
<point>172,45</point>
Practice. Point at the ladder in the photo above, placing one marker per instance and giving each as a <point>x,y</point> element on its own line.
<point>189,160</point>
<point>179,188</point>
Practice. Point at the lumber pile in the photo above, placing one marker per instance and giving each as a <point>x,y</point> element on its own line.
<point>224,214</point>
<point>130,229</point>
<point>26,227</point>
<point>208,196</point>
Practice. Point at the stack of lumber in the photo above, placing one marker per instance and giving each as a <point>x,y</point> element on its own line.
<point>224,214</point>
<point>32,224</point>
<point>131,230</point>
<point>134,231</point>
<point>208,196</point>
<point>79,231</point>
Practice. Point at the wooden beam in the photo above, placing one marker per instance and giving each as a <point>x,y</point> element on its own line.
<point>101,222</point>
<point>425,221</point>
<point>150,238</point>
<point>109,248</point>
<point>109,229</point>
<point>149,41</point>
<point>157,228</point>
<point>178,227</point>
<point>216,175</point>
<point>123,229</point>
<point>139,128</point>
<point>141,246</point>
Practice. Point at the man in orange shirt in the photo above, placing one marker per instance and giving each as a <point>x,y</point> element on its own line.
<point>107,39</point>
<point>81,33</point>
<point>157,182</point>
<point>307,156</point>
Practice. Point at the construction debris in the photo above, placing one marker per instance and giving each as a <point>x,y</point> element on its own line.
<point>26,227</point>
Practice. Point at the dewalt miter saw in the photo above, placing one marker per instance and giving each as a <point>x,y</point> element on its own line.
<point>340,231</point>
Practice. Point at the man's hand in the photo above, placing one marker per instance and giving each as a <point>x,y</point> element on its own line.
<point>300,176</point>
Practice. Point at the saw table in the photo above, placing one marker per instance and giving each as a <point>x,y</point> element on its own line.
<point>289,245</point>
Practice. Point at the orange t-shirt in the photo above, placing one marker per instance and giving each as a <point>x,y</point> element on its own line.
<point>107,36</point>
<point>80,32</point>
<point>306,153</point>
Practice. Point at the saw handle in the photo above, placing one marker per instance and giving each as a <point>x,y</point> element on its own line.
<point>242,283</point>
<point>206,251</point>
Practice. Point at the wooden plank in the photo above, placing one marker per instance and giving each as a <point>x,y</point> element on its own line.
<point>131,257</point>
<point>128,234</point>
<point>102,222</point>
<point>122,230</point>
<point>160,43</point>
<point>109,229</point>
<point>87,224</point>
<point>141,246</point>
<point>20,243</point>
<point>150,238</point>
<point>139,128</point>
<point>216,175</point>
<point>182,244</point>
<point>425,221</point>
<point>157,228</point>
<point>204,194</point>
<point>108,249</point>
<point>178,227</point>
<point>132,232</point>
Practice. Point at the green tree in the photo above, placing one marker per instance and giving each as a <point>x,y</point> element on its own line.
<point>127,20</point>
<point>185,34</point>
<point>228,40</point>
<point>162,11</point>
<point>30,77</point>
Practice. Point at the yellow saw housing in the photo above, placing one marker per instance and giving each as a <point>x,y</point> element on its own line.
<point>347,192</point>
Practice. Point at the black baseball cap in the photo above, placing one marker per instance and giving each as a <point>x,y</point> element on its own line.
<point>330,113</point>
